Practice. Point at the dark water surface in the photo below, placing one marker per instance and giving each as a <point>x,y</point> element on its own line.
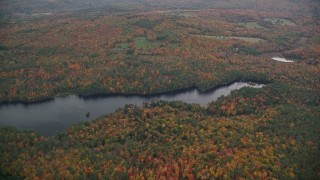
<point>47,118</point>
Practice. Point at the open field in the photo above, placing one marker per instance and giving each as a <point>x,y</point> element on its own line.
<point>247,39</point>
<point>280,21</point>
<point>251,25</point>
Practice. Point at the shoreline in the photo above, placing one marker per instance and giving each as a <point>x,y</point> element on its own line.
<point>169,92</point>
<point>172,92</point>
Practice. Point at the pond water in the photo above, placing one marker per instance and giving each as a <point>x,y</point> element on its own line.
<point>48,118</point>
<point>281,59</point>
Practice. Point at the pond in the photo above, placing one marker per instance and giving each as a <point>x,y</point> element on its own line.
<point>281,59</point>
<point>48,118</point>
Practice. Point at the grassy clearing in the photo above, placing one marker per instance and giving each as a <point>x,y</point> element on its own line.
<point>249,39</point>
<point>26,31</point>
<point>185,14</point>
<point>144,43</point>
<point>280,21</point>
<point>253,25</point>
<point>123,45</point>
<point>173,46</point>
<point>207,36</point>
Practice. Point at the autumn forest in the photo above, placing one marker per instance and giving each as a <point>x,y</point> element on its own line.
<point>59,48</point>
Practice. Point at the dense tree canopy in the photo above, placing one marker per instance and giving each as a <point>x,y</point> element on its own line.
<point>253,133</point>
<point>267,133</point>
<point>155,51</point>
